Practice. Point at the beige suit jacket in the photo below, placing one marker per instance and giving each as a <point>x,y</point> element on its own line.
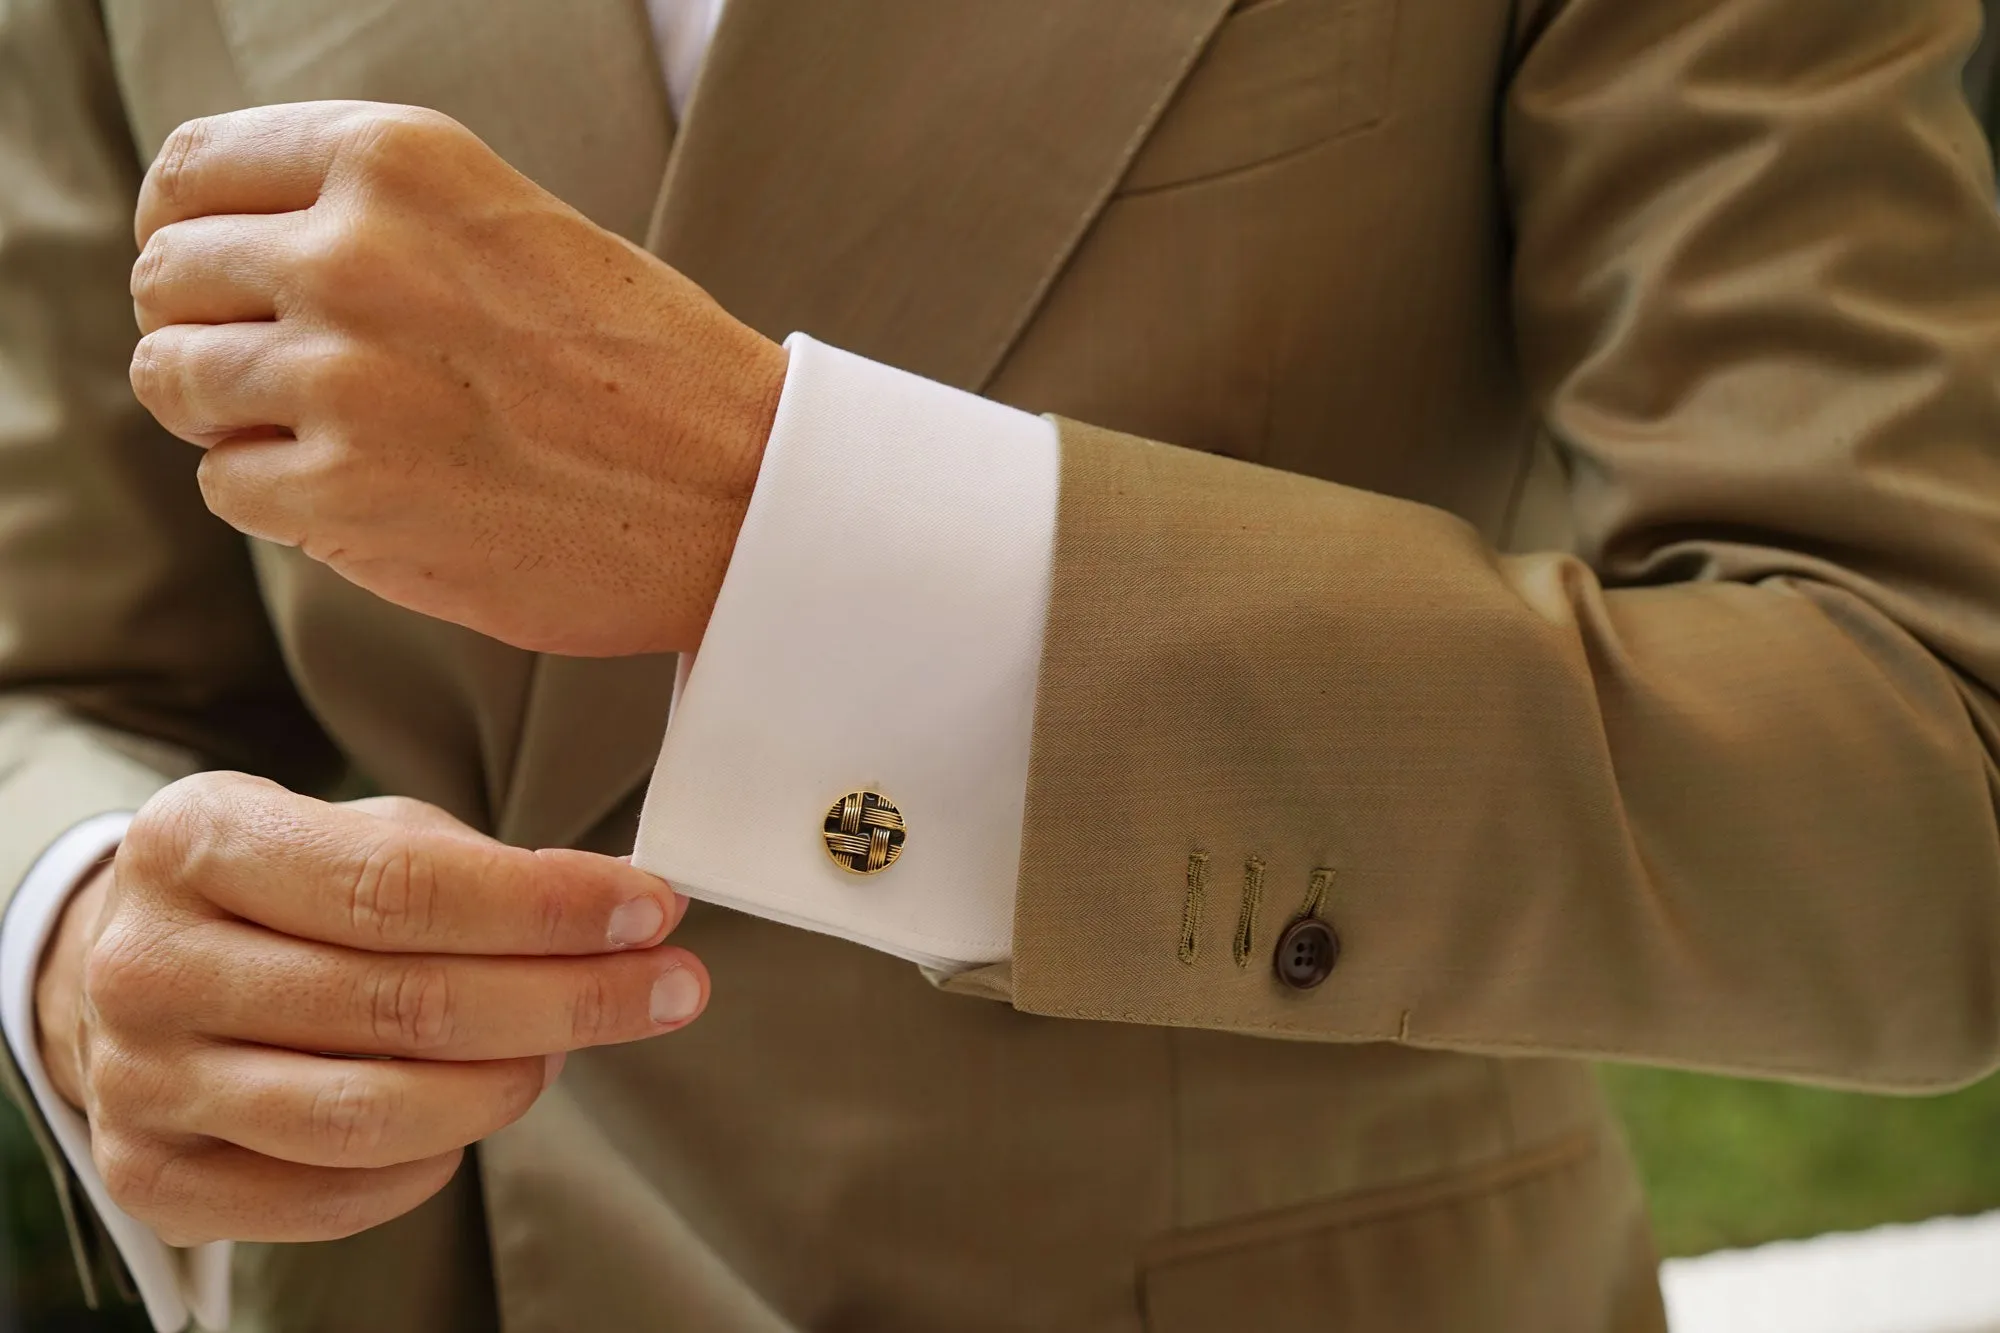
<point>1577,530</point>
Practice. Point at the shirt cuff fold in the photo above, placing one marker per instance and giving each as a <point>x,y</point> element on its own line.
<point>879,629</point>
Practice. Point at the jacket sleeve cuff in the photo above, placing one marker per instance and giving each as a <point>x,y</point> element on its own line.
<point>174,1284</point>
<point>880,629</point>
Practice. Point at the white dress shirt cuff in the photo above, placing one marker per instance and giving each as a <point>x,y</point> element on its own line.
<point>879,628</point>
<point>175,1284</point>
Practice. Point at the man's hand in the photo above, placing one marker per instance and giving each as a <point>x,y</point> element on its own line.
<point>198,998</point>
<point>412,362</point>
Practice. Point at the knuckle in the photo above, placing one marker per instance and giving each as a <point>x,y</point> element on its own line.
<point>594,1010</point>
<point>158,372</point>
<point>333,1213</point>
<point>390,137</point>
<point>130,978</point>
<point>133,1170</point>
<point>240,486</point>
<point>135,1086</point>
<point>174,167</point>
<point>339,1208</point>
<point>337,377</point>
<point>351,1117</point>
<point>211,477</point>
<point>552,911</point>
<point>333,255</point>
<point>398,809</point>
<point>109,1077</point>
<point>182,1237</point>
<point>410,1006</point>
<point>394,894</point>
<point>524,1089</point>
<point>178,835</point>
<point>150,269</point>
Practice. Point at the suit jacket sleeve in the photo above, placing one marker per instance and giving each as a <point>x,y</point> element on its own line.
<point>132,645</point>
<point>1714,788</point>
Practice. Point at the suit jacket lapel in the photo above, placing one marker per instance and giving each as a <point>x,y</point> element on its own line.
<point>901,178</point>
<point>904,178</point>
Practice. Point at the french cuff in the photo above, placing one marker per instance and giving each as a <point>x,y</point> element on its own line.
<point>175,1284</point>
<point>879,630</point>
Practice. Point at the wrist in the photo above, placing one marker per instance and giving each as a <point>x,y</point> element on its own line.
<point>746,412</point>
<point>59,986</point>
<point>751,412</point>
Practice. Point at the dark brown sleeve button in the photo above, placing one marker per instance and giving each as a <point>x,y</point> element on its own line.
<point>1306,953</point>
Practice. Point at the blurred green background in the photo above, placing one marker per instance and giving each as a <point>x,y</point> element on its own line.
<point>1730,1163</point>
<point>1726,1162</point>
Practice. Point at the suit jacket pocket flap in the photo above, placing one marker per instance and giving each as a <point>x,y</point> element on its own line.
<point>1553,1238</point>
<point>1278,77</point>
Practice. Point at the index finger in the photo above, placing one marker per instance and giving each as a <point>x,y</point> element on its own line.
<point>349,877</point>
<point>265,159</point>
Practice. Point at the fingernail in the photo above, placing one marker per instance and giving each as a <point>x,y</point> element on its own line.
<point>552,1067</point>
<point>676,996</point>
<point>637,921</point>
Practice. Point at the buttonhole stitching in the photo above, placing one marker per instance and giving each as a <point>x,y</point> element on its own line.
<point>1322,880</point>
<point>1191,906</point>
<point>1246,916</point>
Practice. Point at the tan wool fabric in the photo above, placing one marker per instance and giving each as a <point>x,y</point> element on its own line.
<point>1530,499</point>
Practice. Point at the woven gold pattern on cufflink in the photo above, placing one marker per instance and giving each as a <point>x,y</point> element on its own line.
<point>864,832</point>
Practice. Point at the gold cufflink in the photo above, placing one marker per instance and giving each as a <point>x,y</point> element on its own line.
<point>864,832</point>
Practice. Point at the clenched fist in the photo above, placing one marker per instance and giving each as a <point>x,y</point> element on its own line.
<point>413,363</point>
<point>204,1000</point>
